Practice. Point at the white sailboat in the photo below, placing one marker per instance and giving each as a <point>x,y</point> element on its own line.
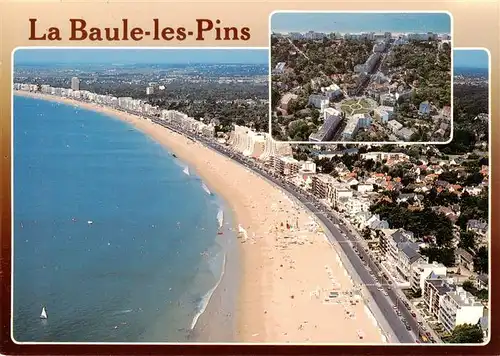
<point>186,170</point>
<point>43,315</point>
<point>220,218</point>
<point>205,188</point>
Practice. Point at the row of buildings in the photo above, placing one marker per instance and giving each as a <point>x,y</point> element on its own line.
<point>444,300</point>
<point>135,106</point>
<point>370,36</point>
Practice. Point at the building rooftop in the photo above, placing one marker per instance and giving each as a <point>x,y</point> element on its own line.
<point>464,298</point>
<point>440,285</point>
<point>288,159</point>
<point>399,236</point>
<point>411,251</point>
<point>394,124</point>
<point>405,132</point>
<point>464,254</point>
<point>483,278</point>
<point>325,178</point>
<point>477,224</point>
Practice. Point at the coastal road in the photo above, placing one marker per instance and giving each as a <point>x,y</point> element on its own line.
<point>336,235</point>
<point>395,295</point>
<point>399,330</point>
<point>383,303</point>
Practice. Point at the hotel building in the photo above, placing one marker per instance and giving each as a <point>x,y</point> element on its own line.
<point>75,83</point>
<point>459,307</point>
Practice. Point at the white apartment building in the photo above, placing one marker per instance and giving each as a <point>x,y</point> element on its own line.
<point>394,125</point>
<point>379,47</point>
<point>380,156</point>
<point>422,36</point>
<point>286,165</point>
<point>257,145</point>
<point>149,90</point>
<point>274,148</point>
<point>388,99</point>
<point>391,240</point>
<point>322,186</point>
<point>364,188</point>
<point>318,101</point>
<point>408,257</point>
<point>459,307</point>
<point>384,113</point>
<point>355,205</point>
<point>75,83</point>
<point>421,271</point>
<point>354,123</point>
<point>340,193</point>
<point>307,167</point>
<point>332,91</point>
<point>434,291</point>
<point>332,118</point>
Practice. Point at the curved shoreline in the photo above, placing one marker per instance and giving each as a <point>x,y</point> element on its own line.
<point>274,303</point>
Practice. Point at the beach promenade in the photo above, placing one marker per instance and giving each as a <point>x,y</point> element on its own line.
<point>294,286</point>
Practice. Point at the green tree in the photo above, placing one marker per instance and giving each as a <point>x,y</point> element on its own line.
<point>466,334</point>
<point>481,260</point>
<point>467,240</point>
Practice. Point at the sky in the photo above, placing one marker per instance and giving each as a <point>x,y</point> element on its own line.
<point>360,22</point>
<point>477,58</point>
<point>140,56</point>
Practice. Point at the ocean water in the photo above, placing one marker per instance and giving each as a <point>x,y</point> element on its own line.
<point>110,235</point>
<point>361,22</point>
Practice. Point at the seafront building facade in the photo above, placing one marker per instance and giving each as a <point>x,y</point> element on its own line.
<point>459,307</point>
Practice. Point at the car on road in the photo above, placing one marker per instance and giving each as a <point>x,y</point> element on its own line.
<point>394,307</point>
<point>408,327</point>
<point>386,294</point>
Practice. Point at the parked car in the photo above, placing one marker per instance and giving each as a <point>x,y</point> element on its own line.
<point>413,314</point>
<point>408,327</point>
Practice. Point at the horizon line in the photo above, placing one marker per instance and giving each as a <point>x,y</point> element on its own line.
<point>141,63</point>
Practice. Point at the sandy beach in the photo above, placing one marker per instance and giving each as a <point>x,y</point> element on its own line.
<point>293,286</point>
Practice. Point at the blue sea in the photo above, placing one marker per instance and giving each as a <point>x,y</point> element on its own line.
<point>110,235</point>
<point>360,22</point>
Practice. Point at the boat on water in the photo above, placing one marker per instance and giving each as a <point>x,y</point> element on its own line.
<point>173,155</point>
<point>205,188</point>
<point>220,218</point>
<point>43,315</point>
<point>186,170</point>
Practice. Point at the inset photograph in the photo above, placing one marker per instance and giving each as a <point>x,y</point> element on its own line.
<point>361,77</point>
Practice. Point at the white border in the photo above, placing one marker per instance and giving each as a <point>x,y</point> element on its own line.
<point>366,143</point>
<point>223,343</point>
